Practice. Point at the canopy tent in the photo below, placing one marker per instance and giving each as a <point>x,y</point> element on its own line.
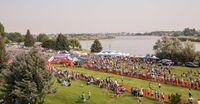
<point>155,58</point>
<point>75,59</point>
<point>82,58</point>
<point>65,59</point>
<point>78,53</point>
<point>151,57</point>
<point>112,53</point>
<point>62,52</point>
<point>78,60</point>
<point>138,56</point>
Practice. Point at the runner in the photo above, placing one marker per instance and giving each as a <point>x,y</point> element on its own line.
<point>150,85</point>
<point>155,93</point>
<point>162,96</point>
<point>122,79</point>
<point>141,94</point>
<point>83,97</point>
<point>89,94</point>
<point>190,93</point>
<point>190,100</point>
<point>159,85</point>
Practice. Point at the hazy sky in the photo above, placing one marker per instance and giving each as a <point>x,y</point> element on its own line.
<point>76,16</point>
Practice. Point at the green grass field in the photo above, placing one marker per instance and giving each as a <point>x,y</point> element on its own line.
<point>178,70</point>
<point>190,38</point>
<point>167,89</point>
<point>71,95</point>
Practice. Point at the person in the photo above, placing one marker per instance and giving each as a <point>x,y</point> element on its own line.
<point>16,100</point>
<point>109,76</point>
<point>81,85</point>
<point>69,84</point>
<point>190,93</point>
<point>138,95</point>
<point>133,91</point>
<point>141,95</point>
<point>141,92</point>
<point>190,100</point>
<point>83,97</point>
<point>2,101</point>
<point>122,79</point>
<point>162,97</point>
<point>155,93</point>
<point>89,94</point>
<point>139,100</point>
<point>64,83</point>
<point>150,85</point>
<point>199,101</point>
<point>159,85</point>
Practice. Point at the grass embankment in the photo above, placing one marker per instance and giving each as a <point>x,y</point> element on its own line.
<point>71,95</point>
<point>178,70</point>
<point>190,38</point>
<point>167,89</point>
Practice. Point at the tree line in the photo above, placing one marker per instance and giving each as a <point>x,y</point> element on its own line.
<point>185,32</point>
<point>61,42</point>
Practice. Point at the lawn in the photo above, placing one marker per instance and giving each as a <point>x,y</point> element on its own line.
<point>71,95</point>
<point>190,38</point>
<point>167,89</point>
<point>178,70</point>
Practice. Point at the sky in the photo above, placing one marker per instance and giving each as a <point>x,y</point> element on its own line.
<point>97,16</point>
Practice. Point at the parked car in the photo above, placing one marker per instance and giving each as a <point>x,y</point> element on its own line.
<point>190,64</point>
<point>165,62</point>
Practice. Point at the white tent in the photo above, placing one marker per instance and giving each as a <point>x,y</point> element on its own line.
<point>112,53</point>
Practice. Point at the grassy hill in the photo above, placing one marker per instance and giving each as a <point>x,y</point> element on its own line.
<point>71,95</point>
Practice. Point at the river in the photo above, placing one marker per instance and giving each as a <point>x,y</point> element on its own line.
<point>135,45</point>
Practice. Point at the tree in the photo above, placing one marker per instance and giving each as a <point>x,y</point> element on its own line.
<point>42,38</point>
<point>2,32</point>
<point>15,37</point>
<point>28,78</point>
<point>29,40</point>
<point>188,53</point>
<point>3,55</point>
<point>169,48</point>
<point>50,44</point>
<point>62,43</point>
<point>172,48</point>
<point>197,58</point>
<point>96,46</point>
<point>189,32</point>
<point>74,43</point>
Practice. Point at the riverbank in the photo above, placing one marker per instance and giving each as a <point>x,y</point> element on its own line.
<point>182,38</point>
<point>189,38</point>
<point>91,37</point>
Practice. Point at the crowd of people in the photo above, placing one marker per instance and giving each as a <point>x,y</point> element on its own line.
<point>143,69</point>
<point>133,67</point>
<point>65,77</point>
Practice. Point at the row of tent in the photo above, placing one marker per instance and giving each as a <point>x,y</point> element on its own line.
<point>66,56</point>
<point>112,53</point>
<point>115,53</point>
